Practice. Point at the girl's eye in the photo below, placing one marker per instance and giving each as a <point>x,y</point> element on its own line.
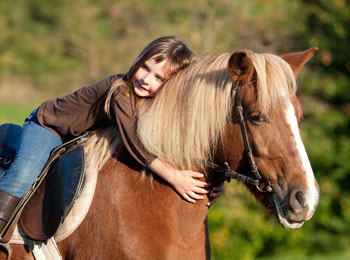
<point>144,66</point>
<point>257,118</point>
<point>160,78</point>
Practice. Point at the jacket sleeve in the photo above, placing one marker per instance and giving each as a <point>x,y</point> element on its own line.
<point>126,122</point>
<point>76,112</point>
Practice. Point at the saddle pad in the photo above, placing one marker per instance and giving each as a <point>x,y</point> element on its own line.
<point>75,216</point>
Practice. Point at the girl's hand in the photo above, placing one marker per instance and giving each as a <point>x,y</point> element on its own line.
<point>186,183</point>
<point>214,194</point>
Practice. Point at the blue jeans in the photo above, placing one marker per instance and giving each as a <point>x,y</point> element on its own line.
<point>36,143</point>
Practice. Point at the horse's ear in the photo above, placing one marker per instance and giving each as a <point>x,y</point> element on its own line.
<point>240,66</point>
<point>297,59</point>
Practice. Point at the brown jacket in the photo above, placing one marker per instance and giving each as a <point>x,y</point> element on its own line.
<point>83,110</point>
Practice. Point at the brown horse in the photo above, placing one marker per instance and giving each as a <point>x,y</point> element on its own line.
<point>192,121</point>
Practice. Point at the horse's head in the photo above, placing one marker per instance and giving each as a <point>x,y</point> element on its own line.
<point>265,85</point>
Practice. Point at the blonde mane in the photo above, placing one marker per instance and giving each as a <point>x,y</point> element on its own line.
<point>102,144</point>
<point>186,120</point>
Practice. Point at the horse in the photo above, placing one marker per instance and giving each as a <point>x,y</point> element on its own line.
<point>192,123</point>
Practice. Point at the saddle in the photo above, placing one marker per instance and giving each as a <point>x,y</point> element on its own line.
<point>59,184</point>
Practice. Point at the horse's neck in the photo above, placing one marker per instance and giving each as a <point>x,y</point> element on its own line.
<point>143,197</point>
<point>231,149</point>
<point>138,214</point>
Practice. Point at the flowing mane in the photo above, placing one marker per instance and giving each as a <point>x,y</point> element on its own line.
<point>187,119</point>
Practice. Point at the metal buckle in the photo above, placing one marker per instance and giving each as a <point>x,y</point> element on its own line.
<point>266,188</point>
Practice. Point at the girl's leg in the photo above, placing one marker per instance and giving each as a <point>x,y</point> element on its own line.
<point>36,143</point>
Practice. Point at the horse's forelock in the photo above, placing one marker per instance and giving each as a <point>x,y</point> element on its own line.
<point>275,81</point>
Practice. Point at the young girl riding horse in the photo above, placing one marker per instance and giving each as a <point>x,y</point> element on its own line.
<point>113,100</point>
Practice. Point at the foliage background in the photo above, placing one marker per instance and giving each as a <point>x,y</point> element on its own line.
<point>49,48</point>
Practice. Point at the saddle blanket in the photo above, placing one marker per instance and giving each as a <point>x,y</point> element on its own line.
<point>76,215</point>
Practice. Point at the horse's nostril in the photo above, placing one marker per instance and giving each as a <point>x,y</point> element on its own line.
<point>300,198</point>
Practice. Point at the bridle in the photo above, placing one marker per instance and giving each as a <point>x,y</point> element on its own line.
<point>230,174</point>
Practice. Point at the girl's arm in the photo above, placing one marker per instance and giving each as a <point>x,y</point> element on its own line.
<point>185,182</point>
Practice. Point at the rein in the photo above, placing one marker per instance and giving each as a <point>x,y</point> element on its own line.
<point>230,174</point>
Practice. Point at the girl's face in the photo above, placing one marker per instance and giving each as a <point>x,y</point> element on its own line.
<point>149,78</point>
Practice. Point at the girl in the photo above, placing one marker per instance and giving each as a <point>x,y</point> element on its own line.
<point>113,100</point>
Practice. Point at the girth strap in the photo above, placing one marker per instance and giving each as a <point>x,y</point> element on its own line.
<point>45,250</point>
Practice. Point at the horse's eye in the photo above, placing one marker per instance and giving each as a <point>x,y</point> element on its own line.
<point>257,118</point>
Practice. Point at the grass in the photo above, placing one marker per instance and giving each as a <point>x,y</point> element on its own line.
<point>344,256</point>
<point>15,113</point>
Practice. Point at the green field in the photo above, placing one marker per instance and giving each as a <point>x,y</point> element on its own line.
<point>14,113</point>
